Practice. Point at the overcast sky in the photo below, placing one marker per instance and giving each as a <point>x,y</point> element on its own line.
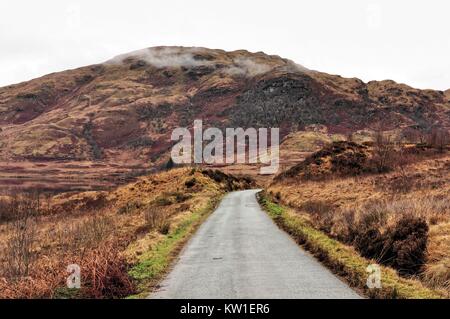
<point>407,41</point>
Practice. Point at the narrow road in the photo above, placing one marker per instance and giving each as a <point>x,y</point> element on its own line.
<point>240,253</point>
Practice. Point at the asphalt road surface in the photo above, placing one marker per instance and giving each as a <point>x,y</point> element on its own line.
<point>239,252</point>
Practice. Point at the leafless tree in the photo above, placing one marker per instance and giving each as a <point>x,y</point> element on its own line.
<point>19,251</point>
<point>383,151</point>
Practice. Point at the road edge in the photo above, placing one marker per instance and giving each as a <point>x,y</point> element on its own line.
<point>146,273</point>
<point>343,260</point>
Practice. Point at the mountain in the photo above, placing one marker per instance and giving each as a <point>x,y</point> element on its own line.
<point>124,110</point>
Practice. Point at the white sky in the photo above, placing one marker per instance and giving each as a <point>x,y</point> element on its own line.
<point>404,40</point>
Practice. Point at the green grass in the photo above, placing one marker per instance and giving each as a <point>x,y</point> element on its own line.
<point>154,263</point>
<point>66,293</point>
<point>344,260</point>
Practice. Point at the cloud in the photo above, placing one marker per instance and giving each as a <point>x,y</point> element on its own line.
<point>247,67</point>
<point>165,57</point>
<point>162,57</point>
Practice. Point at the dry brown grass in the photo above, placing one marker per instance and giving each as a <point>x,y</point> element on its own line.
<point>437,270</point>
<point>104,275</point>
<point>19,253</point>
<point>21,212</point>
<point>94,231</point>
<point>343,207</point>
<point>344,260</point>
<point>105,271</point>
<point>47,276</point>
<point>38,268</point>
<point>157,218</point>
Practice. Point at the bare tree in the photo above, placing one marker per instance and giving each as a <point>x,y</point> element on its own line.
<point>383,151</point>
<point>19,246</point>
<point>438,138</point>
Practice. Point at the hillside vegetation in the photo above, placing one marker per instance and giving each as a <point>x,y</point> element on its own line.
<point>120,114</point>
<point>105,233</point>
<point>391,202</point>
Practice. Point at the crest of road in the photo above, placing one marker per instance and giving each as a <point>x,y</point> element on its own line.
<point>240,253</point>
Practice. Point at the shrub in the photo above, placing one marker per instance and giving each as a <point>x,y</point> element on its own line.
<point>383,157</point>
<point>321,213</point>
<point>105,273</point>
<point>18,205</point>
<point>129,207</point>
<point>164,228</point>
<point>370,243</point>
<point>402,246</point>
<point>190,183</point>
<point>406,245</point>
<point>47,276</point>
<point>157,218</point>
<point>22,212</point>
<point>90,232</point>
<point>345,226</point>
<point>373,215</point>
<point>216,175</point>
<point>19,247</point>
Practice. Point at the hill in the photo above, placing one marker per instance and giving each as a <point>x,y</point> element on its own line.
<point>120,114</point>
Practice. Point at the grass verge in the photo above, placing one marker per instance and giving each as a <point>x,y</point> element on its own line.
<point>155,263</point>
<point>344,260</point>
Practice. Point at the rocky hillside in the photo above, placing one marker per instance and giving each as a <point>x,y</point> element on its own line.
<point>124,110</point>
